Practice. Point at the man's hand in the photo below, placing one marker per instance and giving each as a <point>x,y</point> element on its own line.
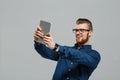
<point>48,40</point>
<point>38,34</point>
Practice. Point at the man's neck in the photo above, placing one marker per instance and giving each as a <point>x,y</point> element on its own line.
<point>79,45</point>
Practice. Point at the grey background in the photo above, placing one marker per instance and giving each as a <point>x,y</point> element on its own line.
<point>19,19</point>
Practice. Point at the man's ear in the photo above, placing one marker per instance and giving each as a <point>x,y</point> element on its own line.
<point>90,33</point>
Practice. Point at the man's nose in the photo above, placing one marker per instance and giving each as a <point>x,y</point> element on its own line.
<point>78,32</point>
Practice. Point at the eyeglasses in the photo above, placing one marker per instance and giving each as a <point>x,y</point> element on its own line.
<point>79,30</point>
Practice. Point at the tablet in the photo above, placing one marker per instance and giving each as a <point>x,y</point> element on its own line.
<point>45,25</point>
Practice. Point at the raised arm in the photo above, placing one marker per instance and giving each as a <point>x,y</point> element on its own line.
<point>90,58</point>
<point>42,49</point>
<point>45,52</point>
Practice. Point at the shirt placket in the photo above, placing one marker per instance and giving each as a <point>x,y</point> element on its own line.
<point>69,69</point>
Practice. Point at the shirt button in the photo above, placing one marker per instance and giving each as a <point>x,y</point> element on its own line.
<point>68,78</point>
<point>71,62</point>
<point>69,70</point>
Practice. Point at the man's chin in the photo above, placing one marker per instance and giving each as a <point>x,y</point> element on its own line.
<point>78,40</point>
<point>81,42</point>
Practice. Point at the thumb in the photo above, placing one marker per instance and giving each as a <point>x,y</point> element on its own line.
<point>48,35</point>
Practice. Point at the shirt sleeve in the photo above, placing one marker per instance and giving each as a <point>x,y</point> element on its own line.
<point>89,59</point>
<point>45,52</point>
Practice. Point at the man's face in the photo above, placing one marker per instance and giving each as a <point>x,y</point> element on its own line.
<point>82,33</point>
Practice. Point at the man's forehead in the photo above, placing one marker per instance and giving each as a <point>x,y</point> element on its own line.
<point>84,25</point>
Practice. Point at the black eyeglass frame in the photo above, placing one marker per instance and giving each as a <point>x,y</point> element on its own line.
<point>80,30</point>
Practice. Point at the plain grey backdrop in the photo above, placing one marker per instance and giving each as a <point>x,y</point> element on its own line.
<point>19,19</point>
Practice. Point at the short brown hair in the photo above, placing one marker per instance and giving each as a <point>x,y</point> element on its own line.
<point>84,20</point>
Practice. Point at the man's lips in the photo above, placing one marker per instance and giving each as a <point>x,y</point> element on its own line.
<point>77,37</point>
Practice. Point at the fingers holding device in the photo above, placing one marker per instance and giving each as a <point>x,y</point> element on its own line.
<point>42,30</point>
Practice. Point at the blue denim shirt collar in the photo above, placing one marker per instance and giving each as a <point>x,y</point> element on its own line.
<point>87,47</point>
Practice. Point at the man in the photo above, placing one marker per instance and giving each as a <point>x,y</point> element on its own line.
<point>73,63</point>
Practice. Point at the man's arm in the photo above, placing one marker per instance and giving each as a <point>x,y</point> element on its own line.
<point>45,52</point>
<point>90,59</point>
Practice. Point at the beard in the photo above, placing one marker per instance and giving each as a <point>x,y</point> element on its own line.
<point>83,40</point>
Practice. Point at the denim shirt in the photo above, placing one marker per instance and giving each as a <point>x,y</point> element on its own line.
<point>72,63</point>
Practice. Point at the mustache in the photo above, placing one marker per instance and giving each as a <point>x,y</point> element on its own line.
<point>79,35</point>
